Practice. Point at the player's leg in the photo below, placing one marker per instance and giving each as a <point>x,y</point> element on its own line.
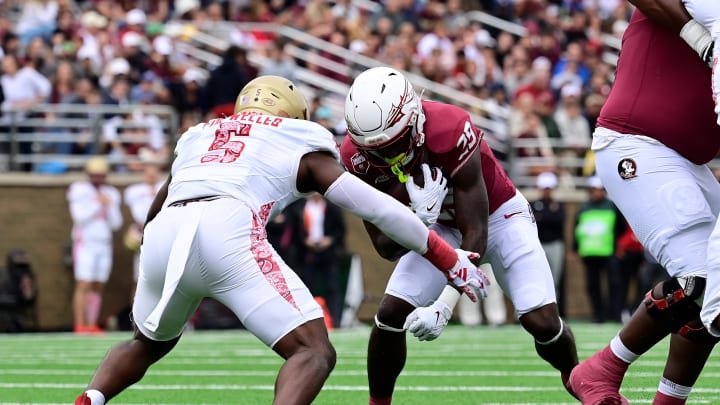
<point>710,313</point>
<point>248,276</point>
<point>101,274</point>
<point>83,274</point>
<point>414,282</point>
<point>674,223</point>
<point>124,365</point>
<point>522,270</point>
<point>127,362</point>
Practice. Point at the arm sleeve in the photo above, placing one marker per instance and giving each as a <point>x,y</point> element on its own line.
<point>390,216</point>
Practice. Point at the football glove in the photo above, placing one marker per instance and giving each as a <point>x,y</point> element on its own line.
<point>426,201</point>
<point>427,323</point>
<point>468,277</point>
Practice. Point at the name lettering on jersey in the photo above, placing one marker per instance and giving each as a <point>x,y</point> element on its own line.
<point>467,141</point>
<point>359,163</point>
<point>248,116</point>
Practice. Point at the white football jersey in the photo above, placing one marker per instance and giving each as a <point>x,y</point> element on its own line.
<point>91,220</point>
<point>251,157</point>
<point>138,197</point>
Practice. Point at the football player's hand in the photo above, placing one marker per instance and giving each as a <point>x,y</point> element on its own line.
<point>427,323</point>
<point>467,277</point>
<point>427,200</point>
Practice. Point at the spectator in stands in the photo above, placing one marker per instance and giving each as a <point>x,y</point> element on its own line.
<point>225,83</point>
<point>526,126</point>
<point>539,86</point>
<point>278,62</point>
<point>95,212</point>
<point>88,93</point>
<point>572,124</point>
<point>63,91</point>
<point>23,87</point>
<point>133,50</point>
<point>570,69</point>
<point>550,215</point>
<point>598,225</point>
<point>37,18</point>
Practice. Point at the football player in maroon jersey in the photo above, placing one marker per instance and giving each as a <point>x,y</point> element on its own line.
<point>655,146</point>
<point>429,155</point>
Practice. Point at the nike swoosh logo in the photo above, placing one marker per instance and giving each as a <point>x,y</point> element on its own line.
<point>512,214</point>
<point>437,317</point>
<point>431,207</point>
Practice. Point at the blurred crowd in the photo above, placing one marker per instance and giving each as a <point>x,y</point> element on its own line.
<point>547,85</point>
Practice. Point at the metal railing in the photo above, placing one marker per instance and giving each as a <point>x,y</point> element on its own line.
<point>42,134</point>
<point>308,49</point>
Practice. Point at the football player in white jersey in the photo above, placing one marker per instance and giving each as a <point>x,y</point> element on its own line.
<point>205,237</point>
<point>95,212</point>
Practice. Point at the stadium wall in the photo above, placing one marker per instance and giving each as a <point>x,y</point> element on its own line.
<point>35,217</point>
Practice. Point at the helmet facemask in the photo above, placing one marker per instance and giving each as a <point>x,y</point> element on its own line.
<point>398,154</point>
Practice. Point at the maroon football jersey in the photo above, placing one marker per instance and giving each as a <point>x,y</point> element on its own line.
<point>450,140</point>
<point>662,90</point>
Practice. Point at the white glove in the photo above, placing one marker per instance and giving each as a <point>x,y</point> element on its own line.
<point>427,323</point>
<point>427,201</point>
<point>468,277</point>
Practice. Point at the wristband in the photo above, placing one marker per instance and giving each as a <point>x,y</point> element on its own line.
<point>440,253</point>
<point>697,36</point>
<point>449,296</point>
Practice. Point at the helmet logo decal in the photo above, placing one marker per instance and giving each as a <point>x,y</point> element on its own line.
<point>396,114</point>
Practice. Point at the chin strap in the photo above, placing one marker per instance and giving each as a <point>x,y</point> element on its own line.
<point>398,171</point>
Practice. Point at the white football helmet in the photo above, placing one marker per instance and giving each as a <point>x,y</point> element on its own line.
<point>382,113</point>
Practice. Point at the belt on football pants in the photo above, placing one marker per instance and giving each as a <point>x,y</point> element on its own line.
<point>176,264</point>
<point>183,203</point>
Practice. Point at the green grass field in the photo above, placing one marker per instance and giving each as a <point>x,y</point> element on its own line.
<point>232,367</point>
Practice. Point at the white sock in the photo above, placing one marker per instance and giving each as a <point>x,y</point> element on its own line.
<point>96,397</point>
<point>621,351</point>
<point>674,390</point>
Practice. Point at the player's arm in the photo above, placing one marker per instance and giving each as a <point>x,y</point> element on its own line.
<point>319,171</point>
<point>157,203</point>
<point>471,205</point>
<point>669,13</point>
<point>384,246</point>
<point>691,19</point>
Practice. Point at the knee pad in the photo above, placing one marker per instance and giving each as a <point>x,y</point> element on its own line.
<point>698,334</point>
<point>388,328</point>
<point>678,304</point>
